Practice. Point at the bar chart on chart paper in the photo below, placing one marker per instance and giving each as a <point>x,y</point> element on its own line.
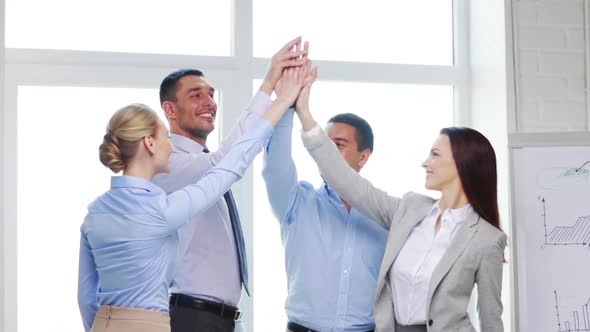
<point>577,234</point>
<point>552,238</point>
<point>576,319</point>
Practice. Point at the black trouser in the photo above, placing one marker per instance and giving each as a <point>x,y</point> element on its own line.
<point>409,328</point>
<point>294,327</point>
<point>185,318</point>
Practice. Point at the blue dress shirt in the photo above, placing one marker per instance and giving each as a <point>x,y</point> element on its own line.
<point>129,236</point>
<point>332,257</point>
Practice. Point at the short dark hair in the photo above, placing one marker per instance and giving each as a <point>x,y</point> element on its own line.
<point>364,133</point>
<point>169,85</point>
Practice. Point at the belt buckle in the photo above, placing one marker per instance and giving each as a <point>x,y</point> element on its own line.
<point>237,316</point>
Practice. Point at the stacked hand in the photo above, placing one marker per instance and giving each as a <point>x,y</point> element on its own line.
<point>310,75</point>
<point>302,104</point>
<point>292,82</point>
<point>291,76</point>
<point>289,55</point>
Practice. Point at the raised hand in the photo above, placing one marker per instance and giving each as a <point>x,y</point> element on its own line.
<point>302,104</point>
<point>292,81</point>
<point>289,55</point>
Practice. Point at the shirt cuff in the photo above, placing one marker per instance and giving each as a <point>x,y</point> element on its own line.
<point>314,138</point>
<point>261,129</point>
<point>260,103</point>
<point>312,132</point>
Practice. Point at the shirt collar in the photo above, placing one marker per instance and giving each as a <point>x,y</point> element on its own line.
<point>126,181</point>
<point>331,193</point>
<point>454,215</point>
<point>333,196</point>
<point>186,144</point>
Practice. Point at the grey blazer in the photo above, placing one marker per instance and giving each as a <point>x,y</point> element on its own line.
<point>474,256</point>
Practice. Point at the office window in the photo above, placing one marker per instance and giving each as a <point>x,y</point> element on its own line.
<point>407,32</point>
<point>171,27</point>
<point>46,88</point>
<point>405,119</point>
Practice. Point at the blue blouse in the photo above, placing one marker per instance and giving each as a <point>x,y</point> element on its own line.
<point>129,239</point>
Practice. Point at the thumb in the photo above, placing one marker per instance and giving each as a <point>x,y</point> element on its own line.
<point>311,77</point>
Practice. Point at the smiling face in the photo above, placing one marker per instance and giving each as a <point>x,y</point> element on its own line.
<point>441,171</point>
<point>193,111</point>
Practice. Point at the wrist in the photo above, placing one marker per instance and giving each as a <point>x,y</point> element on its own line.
<point>303,110</point>
<point>307,121</point>
<point>283,101</point>
<point>266,87</point>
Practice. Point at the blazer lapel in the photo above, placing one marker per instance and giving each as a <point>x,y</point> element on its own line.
<point>396,241</point>
<point>398,235</point>
<point>459,243</point>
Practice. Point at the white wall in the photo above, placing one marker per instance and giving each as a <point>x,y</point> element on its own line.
<point>2,71</point>
<point>550,66</point>
<point>489,57</point>
<point>550,104</point>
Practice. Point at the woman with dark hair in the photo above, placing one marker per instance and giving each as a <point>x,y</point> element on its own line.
<point>437,250</point>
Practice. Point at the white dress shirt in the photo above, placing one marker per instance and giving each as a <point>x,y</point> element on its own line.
<point>208,265</point>
<point>419,256</point>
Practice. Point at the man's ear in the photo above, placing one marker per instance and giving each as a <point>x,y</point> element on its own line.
<point>148,142</point>
<point>169,110</point>
<point>364,157</point>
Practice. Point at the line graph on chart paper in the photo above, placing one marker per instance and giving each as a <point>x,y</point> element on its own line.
<point>571,233</point>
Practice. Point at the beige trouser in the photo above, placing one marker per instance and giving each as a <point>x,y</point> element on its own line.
<point>120,319</point>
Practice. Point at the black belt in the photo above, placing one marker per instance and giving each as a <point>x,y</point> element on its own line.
<point>300,328</point>
<point>222,310</point>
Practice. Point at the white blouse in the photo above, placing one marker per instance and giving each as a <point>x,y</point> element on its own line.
<point>413,266</point>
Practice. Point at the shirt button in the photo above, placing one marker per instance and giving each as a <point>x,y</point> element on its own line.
<point>345,271</point>
<point>430,322</point>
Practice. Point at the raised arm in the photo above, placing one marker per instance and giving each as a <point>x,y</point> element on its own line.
<point>290,55</point>
<point>192,166</point>
<point>184,204</point>
<point>279,172</point>
<point>351,186</point>
<point>87,284</point>
<point>258,105</point>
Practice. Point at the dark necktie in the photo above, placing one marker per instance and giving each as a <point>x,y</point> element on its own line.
<point>238,235</point>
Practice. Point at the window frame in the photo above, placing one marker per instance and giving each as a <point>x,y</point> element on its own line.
<point>233,75</point>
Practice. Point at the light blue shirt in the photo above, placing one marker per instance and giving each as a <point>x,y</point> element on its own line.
<point>332,257</point>
<point>129,238</point>
<point>208,265</point>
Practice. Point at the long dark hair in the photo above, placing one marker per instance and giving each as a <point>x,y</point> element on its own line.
<point>476,164</point>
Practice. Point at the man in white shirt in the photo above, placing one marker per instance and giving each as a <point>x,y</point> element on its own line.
<point>211,267</point>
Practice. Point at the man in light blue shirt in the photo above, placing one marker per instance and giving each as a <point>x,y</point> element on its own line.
<point>332,251</point>
<point>212,268</point>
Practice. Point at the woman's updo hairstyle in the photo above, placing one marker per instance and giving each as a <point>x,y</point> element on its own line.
<point>127,127</point>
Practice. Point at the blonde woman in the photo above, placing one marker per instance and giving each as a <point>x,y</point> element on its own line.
<point>129,238</point>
